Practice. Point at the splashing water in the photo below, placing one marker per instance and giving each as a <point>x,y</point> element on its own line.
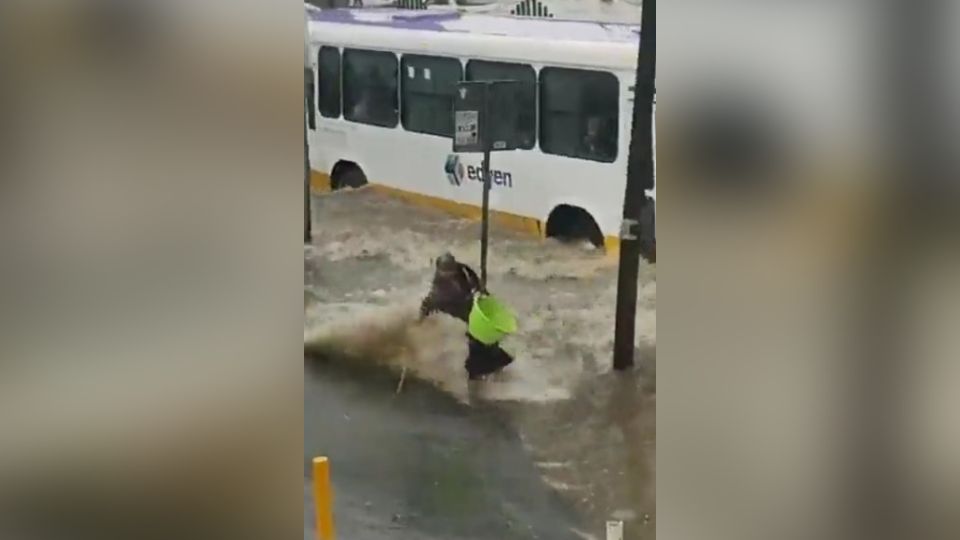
<point>369,273</point>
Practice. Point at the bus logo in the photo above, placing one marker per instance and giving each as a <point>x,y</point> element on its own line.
<point>457,173</point>
<point>454,169</point>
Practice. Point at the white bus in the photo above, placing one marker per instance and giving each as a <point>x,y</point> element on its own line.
<point>380,113</point>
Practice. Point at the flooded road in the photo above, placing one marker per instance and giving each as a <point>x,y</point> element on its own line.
<point>588,433</point>
<point>421,466</point>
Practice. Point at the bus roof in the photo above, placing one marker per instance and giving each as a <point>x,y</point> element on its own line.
<point>437,20</point>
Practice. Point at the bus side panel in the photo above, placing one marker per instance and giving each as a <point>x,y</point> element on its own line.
<point>525,182</point>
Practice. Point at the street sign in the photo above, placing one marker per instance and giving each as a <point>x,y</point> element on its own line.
<point>486,116</point>
<point>469,104</point>
<point>467,130</point>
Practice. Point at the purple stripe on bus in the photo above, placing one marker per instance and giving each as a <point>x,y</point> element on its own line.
<point>399,19</point>
<point>435,22</point>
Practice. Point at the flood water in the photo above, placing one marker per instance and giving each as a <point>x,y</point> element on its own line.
<point>589,431</point>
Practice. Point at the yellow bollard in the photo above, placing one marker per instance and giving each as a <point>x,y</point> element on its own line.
<point>323,498</point>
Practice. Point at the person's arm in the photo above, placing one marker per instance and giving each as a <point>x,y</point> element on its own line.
<point>427,306</point>
<point>472,279</point>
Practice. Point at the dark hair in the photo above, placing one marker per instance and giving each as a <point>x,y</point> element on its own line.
<point>446,259</point>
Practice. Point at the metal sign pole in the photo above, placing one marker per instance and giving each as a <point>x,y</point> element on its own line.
<point>485,225</point>
<point>485,119</point>
<point>485,141</point>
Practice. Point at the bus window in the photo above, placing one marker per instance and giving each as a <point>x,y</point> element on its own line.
<point>579,113</point>
<point>478,70</point>
<point>329,87</point>
<point>310,90</point>
<point>427,88</point>
<point>370,87</point>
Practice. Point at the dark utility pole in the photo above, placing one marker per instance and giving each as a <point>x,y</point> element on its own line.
<point>637,234</point>
<point>307,226</point>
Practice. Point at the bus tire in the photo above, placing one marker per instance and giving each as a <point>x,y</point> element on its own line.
<point>347,175</point>
<point>572,223</point>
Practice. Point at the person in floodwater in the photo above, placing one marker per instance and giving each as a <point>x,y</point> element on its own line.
<point>452,291</point>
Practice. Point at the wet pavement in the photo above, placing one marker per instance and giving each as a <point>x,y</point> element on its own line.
<point>420,465</point>
<point>551,448</point>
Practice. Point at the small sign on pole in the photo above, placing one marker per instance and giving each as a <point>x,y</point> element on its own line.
<point>485,119</point>
<point>468,129</point>
<point>469,106</point>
